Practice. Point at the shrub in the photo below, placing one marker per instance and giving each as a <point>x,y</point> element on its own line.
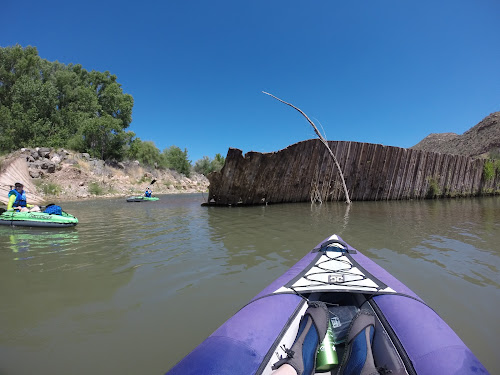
<point>497,166</point>
<point>433,189</point>
<point>48,188</point>
<point>95,189</point>
<point>489,170</point>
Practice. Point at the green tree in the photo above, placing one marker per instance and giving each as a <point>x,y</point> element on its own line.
<point>33,108</point>
<point>146,152</point>
<point>52,104</point>
<point>7,130</point>
<point>203,166</point>
<point>218,162</point>
<point>206,166</point>
<point>177,159</point>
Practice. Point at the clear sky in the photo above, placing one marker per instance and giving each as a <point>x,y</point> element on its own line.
<point>387,71</point>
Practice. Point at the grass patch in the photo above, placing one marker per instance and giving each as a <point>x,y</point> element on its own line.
<point>48,188</point>
<point>82,165</point>
<point>143,180</point>
<point>95,189</point>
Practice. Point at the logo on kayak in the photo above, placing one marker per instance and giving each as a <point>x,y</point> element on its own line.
<point>37,216</point>
<point>332,279</point>
<point>335,321</point>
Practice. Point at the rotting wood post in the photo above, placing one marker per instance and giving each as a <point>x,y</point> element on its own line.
<point>323,140</point>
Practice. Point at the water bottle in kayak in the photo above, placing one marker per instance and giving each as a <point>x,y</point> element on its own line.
<point>326,357</point>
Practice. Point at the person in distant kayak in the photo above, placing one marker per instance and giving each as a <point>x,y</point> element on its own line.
<point>148,193</point>
<point>17,200</point>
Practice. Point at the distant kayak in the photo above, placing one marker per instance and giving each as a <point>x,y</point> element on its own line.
<point>37,219</point>
<point>142,199</point>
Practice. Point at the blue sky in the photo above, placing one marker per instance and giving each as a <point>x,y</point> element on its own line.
<point>388,72</point>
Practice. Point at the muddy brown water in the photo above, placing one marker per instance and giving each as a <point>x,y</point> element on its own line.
<point>136,286</point>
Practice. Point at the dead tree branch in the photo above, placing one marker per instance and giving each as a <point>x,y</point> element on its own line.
<point>323,140</point>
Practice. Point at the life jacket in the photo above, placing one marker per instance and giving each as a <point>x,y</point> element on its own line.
<point>20,198</point>
<point>147,193</point>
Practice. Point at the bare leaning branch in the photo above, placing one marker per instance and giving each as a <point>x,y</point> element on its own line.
<point>323,140</point>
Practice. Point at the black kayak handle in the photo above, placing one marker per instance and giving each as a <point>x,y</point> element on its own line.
<point>326,245</point>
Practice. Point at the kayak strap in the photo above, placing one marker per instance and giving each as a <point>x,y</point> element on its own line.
<point>329,246</point>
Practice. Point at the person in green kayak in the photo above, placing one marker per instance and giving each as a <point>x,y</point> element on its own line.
<point>17,200</point>
<point>148,193</point>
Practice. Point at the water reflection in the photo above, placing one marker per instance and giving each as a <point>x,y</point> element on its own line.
<point>27,243</point>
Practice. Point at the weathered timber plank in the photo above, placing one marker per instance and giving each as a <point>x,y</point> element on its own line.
<point>382,173</point>
<point>392,172</point>
<point>420,173</point>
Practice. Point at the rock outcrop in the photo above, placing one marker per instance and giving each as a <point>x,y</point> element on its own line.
<point>482,140</point>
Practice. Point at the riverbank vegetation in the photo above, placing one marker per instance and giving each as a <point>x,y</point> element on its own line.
<point>51,104</point>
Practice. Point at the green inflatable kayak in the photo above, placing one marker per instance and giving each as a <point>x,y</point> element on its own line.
<point>142,199</point>
<point>37,219</point>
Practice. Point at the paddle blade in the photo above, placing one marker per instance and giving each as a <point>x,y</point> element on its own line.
<point>152,182</point>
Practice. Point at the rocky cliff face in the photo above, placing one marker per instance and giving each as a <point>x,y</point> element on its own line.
<point>482,140</point>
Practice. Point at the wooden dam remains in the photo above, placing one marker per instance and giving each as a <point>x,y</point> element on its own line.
<point>305,171</point>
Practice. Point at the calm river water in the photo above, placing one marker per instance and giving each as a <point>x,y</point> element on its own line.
<point>135,286</point>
